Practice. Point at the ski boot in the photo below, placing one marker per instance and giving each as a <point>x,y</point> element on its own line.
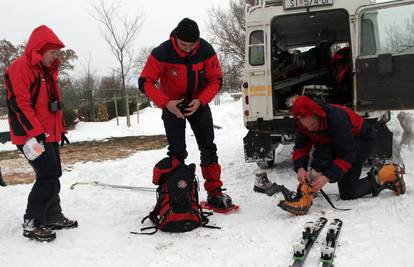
<point>391,176</point>
<point>61,223</point>
<point>219,202</point>
<point>262,182</point>
<point>300,203</point>
<point>39,233</point>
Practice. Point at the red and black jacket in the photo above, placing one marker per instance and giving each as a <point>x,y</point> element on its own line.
<point>30,88</point>
<point>181,74</point>
<point>340,126</point>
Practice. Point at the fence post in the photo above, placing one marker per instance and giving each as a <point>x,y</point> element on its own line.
<point>116,110</point>
<point>127,111</point>
<point>217,99</point>
<point>138,100</point>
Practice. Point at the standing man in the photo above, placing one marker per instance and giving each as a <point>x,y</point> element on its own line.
<point>190,76</point>
<point>341,141</point>
<point>36,127</point>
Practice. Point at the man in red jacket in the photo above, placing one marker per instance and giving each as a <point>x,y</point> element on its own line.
<point>36,119</point>
<point>339,141</point>
<point>190,76</point>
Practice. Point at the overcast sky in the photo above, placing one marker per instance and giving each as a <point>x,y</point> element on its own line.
<point>72,22</point>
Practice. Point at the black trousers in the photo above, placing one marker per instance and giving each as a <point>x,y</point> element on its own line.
<point>201,123</point>
<point>349,186</point>
<point>44,202</point>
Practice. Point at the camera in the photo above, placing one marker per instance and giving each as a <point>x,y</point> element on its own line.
<point>183,105</point>
<point>55,106</point>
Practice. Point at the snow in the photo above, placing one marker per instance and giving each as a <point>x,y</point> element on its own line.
<point>376,232</point>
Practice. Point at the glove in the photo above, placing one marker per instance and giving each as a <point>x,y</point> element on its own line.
<point>64,140</point>
<point>41,137</point>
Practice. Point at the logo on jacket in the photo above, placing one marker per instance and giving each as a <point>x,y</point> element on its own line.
<point>182,184</point>
<point>174,72</point>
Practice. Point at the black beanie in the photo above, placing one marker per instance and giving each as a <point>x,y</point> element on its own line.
<point>187,31</point>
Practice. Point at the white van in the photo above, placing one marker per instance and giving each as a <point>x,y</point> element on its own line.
<point>281,39</point>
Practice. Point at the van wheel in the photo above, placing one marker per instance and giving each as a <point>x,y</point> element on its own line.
<point>265,164</point>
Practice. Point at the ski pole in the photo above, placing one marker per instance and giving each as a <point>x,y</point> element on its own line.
<point>96,183</point>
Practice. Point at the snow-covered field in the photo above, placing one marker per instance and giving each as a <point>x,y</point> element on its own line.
<point>377,231</point>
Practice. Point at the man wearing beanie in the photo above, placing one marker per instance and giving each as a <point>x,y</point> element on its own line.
<point>190,76</point>
<point>36,127</point>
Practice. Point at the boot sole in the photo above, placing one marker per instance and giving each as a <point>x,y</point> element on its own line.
<point>32,236</point>
<point>60,227</point>
<point>292,210</point>
<point>258,189</point>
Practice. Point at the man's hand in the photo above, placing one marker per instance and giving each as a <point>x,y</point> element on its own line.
<point>172,107</point>
<point>192,107</point>
<point>64,140</point>
<point>319,182</point>
<point>302,176</point>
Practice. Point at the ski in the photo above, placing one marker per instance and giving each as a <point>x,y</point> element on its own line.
<point>96,183</point>
<point>330,243</point>
<point>310,233</point>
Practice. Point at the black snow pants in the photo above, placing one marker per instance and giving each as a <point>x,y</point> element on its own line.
<point>44,202</point>
<point>201,123</point>
<point>349,186</point>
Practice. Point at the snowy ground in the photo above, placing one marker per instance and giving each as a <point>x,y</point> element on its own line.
<point>377,231</point>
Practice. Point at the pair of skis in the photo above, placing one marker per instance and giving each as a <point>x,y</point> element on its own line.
<point>310,235</point>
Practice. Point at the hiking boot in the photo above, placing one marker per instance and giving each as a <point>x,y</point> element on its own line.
<point>219,201</point>
<point>62,223</point>
<point>262,182</point>
<point>391,176</point>
<point>39,233</point>
<point>300,204</point>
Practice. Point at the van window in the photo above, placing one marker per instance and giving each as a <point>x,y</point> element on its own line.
<point>388,31</point>
<point>256,48</point>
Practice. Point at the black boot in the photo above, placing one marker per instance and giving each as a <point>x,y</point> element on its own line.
<point>2,182</point>
<point>61,223</point>
<point>219,201</point>
<point>39,233</point>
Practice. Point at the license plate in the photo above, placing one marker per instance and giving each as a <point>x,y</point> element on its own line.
<point>292,4</point>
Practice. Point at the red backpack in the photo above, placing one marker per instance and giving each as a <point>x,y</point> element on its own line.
<point>177,208</point>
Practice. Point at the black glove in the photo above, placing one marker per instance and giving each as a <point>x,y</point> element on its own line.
<point>41,137</point>
<point>64,140</point>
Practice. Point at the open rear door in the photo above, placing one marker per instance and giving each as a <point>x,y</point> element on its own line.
<point>385,59</point>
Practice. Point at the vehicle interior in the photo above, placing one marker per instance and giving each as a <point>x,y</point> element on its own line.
<point>311,56</point>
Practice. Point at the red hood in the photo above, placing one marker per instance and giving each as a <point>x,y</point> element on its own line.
<point>41,36</point>
<point>304,107</point>
<point>180,52</point>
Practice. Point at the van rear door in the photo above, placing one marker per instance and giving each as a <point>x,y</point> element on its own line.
<point>385,56</point>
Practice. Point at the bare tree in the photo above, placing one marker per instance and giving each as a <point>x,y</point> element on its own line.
<point>228,31</point>
<point>120,33</point>
<point>88,83</point>
<point>142,57</point>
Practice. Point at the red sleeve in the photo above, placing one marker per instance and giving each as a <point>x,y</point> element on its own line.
<point>152,71</point>
<point>214,78</point>
<point>18,86</point>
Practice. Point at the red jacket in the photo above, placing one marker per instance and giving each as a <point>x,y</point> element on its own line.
<point>30,88</point>
<point>180,73</point>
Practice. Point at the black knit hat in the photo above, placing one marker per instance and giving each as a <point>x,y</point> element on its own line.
<point>187,30</point>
